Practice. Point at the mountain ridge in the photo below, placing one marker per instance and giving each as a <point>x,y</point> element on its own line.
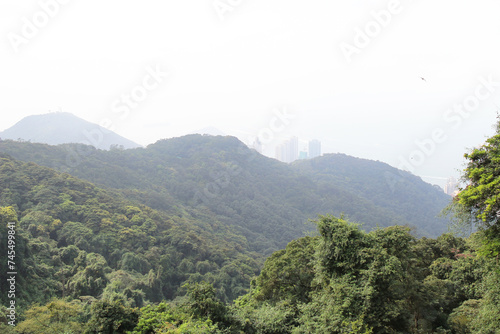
<point>267,200</point>
<point>64,128</point>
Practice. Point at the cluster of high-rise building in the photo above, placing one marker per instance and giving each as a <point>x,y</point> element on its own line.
<point>288,151</point>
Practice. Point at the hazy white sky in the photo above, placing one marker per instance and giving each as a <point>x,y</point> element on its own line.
<point>350,72</point>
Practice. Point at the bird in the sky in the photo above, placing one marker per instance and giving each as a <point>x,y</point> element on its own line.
<point>423,79</point>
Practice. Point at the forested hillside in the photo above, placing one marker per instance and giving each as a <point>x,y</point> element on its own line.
<point>267,201</point>
<point>400,192</point>
<point>96,259</point>
<point>105,238</point>
<point>342,281</point>
<point>75,239</point>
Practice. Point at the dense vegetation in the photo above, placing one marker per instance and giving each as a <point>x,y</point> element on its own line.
<point>99,259</point>
<point>385,281</point>
<point>265,200</point>
<point>342,281</point>
<point>75,239</point>
<point>381,185</point>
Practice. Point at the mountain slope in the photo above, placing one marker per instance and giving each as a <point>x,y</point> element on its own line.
<point>382,185</point>
<point>265,200</point>
<point>76,239</point>
<point>61,127</point>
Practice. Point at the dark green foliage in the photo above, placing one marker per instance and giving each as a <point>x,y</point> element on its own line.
<point>386,194</point>
<point>89,278</point>
<point>74,239</point>
<point>111,317</point>
<point>267,201</point>
<point>288,274</point>
<point>203,303</point>
<point>488,317</point>
<point>116,255</point>
<point>347,280</point>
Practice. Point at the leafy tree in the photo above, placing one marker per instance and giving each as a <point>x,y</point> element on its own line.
<point>288,274</point>
<point>112,317</point>
<point>479,201</point>
<point>90,275</point>
<point>154,317</point>
<point>57,316</point>
<point>203,303</point>
<point>488,318</point>
<point>461,320</point>
<point>199,312</point>
<point>385,281</point>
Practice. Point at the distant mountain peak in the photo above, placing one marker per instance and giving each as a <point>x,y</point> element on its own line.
<point>62,128</point>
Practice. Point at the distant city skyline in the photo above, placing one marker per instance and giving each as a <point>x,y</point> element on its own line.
<point>288,151</point>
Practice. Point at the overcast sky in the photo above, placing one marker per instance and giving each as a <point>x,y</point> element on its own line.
<point>366,78</point>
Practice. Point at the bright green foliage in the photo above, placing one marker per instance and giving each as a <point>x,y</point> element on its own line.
<point>483,177</point>
<point>479,204</point>
<point>363,278</point>
<point>56,316</point>
<point>481,196</point>
<point>154,317</point>
<point>90,275</point>
<point>341,249</point>
<point>462,318</point>
<point>193,327</point>
<point>278,318</point>
<point>480,315</point>
<point>199,312</point>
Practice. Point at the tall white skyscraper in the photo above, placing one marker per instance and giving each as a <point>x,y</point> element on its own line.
<point>314,148</point>
<point>288,151</point>
<point>293,148</point>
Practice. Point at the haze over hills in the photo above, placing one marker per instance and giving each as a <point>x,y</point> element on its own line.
<point>198,215</point>
<point>63,128</point>
<point>267,201</point>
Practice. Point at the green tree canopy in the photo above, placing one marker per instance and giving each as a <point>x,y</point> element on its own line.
<point>479,201</point>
